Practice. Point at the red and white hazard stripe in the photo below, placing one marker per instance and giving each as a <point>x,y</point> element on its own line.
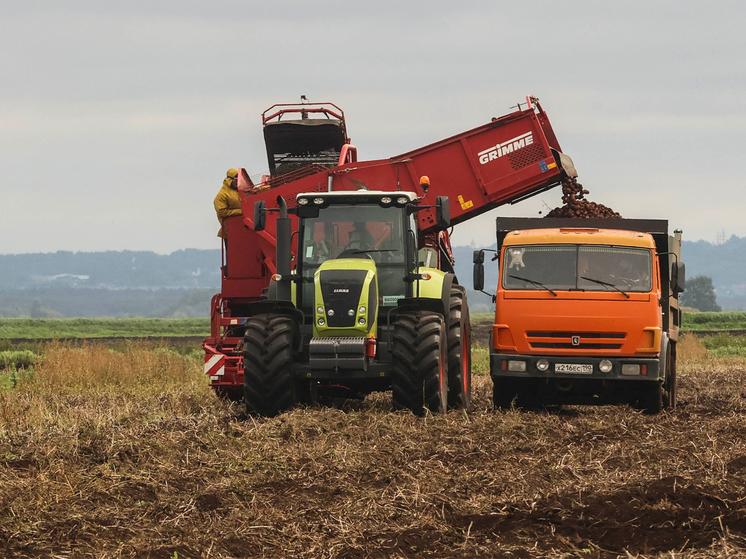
<point>215,366</point>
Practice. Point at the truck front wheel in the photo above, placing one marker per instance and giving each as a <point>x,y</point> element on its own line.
<point>269,385</point>
<point>670,384</point>
<point>459,351</point>
<point>420,361</point>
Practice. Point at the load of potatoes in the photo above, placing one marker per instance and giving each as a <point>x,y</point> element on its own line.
<point>576,206</point>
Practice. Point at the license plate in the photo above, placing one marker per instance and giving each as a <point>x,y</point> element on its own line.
<point>573,368</point>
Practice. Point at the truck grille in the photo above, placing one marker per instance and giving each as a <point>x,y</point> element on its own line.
<point>584,340</point>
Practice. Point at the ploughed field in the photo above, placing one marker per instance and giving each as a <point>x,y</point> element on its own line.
<point>123,451</point>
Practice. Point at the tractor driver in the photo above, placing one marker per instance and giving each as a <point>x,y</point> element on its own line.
<point>360,237</point>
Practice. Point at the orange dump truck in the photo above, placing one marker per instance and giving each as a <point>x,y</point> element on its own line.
<point>586,312</point>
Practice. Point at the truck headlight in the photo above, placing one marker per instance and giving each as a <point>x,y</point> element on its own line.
<point>605,366</point>
<point>542,365</point>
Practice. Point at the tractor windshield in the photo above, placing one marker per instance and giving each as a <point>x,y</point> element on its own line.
<point>577,267</point>
<point>359,231</point>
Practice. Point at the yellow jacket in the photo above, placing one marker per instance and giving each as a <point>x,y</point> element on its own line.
<point>227,204</point>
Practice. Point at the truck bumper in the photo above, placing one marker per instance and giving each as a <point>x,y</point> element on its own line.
<point>622,368</point>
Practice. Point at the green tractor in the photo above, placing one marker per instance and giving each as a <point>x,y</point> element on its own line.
<point>366,308</point>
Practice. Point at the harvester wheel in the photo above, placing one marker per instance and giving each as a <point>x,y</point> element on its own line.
<point>459,350</point>
<point>269,386</point>
<point>420,362</point>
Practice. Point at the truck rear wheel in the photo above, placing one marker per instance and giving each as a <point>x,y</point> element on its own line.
<point>269,386</point>
<point>459,350</point>
<point>420,362</point>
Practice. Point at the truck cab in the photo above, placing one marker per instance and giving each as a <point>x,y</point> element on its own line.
<point>586,314</point>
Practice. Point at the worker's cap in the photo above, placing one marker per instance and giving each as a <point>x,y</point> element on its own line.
<point>232,173</point>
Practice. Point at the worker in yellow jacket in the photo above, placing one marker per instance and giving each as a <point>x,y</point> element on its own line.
<point>228,202</point>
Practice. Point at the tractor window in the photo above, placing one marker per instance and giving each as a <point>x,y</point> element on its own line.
<point>356,231</point>
<point>585,267</point>
<point>362,231</point>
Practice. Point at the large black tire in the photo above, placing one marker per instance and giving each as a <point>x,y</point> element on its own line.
<point>504,392</point>
<point>518,393</point>
<point>670,389</point>
<point>269,385</point>
<point>459,350</point>
<point>420,363</point>
<point>652,397</point>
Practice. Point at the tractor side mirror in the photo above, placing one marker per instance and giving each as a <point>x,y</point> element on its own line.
<point>478,270</point>
<point>443,212</point>
<point>678,277</point>
<point>260,215</point>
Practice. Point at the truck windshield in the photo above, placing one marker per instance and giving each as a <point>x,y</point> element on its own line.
<point>359,231</point>
<point>577,267</point>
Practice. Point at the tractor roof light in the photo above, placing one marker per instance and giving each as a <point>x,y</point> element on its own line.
<point>320,309</point>
<point>318,201</point>
<point>385,199</point>
<point>361,321</point>
<point>362,310</point>
<point>402,200</point>
<point>321,321</point>
<point>302,201</point>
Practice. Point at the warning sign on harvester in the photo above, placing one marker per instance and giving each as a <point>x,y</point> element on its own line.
<point>465,205</point>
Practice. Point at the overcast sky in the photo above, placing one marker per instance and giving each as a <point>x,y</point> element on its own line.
<point>119,120</point>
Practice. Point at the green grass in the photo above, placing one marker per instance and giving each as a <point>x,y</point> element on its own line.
<point>49,328</point>
<point>20,358</point>
<point>725,345</point>
<point>735,320</point>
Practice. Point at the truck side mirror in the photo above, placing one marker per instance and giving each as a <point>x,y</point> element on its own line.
<point>678,277</point>
<point>443,212</point>
<point>478,270</point>
<point>260,215</point>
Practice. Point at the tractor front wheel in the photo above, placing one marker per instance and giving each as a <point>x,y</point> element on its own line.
<point>269,385</point>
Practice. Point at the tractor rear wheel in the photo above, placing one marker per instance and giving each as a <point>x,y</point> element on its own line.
<point>459,350</point>
<point>420,362</point>
<point>269,385</point>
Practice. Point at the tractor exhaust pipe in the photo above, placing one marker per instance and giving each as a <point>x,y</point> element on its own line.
<point>284,254</point>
